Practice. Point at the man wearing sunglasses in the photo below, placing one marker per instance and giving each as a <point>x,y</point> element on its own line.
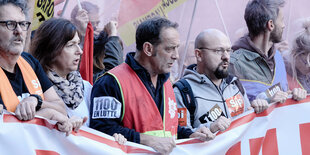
<point>25,89</point>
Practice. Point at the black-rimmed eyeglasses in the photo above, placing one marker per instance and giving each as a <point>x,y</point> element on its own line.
<point>11,25</point>
<point>218,51</point>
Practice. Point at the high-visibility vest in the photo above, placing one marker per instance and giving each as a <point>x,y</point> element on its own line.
<point>7,93</point>
<point>139,109</point>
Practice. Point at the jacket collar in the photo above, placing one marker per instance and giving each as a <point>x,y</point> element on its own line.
<point>141,71</point>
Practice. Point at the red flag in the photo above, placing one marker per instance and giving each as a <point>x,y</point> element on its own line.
<point>86,68</point>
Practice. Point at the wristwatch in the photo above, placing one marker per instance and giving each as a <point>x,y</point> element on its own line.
<point>39,98</point>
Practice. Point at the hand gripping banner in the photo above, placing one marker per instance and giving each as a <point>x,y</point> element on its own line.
<point>281,129</point>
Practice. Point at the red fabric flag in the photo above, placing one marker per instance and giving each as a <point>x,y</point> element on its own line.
<point>86,66</point>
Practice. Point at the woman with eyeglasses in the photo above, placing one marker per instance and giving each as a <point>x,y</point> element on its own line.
<point>56,46</point>
<point>298,60</point>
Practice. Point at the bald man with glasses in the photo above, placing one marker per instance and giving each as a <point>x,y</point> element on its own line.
<point>218,96</point>
<point>25,89</point>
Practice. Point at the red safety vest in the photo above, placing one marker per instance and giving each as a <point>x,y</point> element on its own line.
<point>139,109</point>
<point>8,95</point>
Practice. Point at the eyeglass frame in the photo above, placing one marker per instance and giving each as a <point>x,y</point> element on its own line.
<point>27,25</point>
<point>218,51</point>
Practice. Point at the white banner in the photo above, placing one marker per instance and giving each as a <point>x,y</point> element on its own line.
<point>282,129</point>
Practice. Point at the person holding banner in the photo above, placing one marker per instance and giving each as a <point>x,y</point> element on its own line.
<point>217,96</point>
<point>60,59</point>
<point>298,60</point>
<point>136,98</point>
<point>255,61</point>
<point>25,89</point>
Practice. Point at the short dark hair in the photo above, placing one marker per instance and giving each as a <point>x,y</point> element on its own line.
<point>259,12</point>
<point>149,31</point>
<point>49,40</point>
<point>22,4</point>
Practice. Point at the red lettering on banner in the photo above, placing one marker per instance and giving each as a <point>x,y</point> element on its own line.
<point>235,149</point>
<point>255,145</point>
<point>269,143</point>
<point>46,152</point>
<point>305,138</point>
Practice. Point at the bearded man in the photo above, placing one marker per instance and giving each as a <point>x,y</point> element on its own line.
<point>217,96</point>
<point>255,61</point>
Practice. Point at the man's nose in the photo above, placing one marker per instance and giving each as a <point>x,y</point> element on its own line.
<point>175,54</point>
<point>226,55</point>
<point>18,29</point>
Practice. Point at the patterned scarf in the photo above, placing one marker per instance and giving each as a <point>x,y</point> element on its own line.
<point>71,90</point>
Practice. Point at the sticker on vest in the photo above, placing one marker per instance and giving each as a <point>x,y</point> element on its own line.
<point>273,90</point>
<point>235,105</point>
<point>213,114</point>
<point>172,107</point>
<point>106,107</point>
<point>182,115</point>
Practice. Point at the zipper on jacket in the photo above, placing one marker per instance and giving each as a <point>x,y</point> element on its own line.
<point>221,94</point>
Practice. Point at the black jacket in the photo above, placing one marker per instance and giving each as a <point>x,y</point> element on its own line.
<point>113,56</point>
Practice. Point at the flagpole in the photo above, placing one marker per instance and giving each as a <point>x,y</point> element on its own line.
<point>79,4</point>
<point>187,39</point>
<point>64,8</point>
<point>222,19</point>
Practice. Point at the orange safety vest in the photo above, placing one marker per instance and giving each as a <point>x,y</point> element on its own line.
<point>139,109</point>
<point>7,93</point>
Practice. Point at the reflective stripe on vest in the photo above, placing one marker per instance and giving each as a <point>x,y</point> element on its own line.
<point>139,109</point>
<point>253,87</point>
<point>8,95</point>
<point>159,133</point>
